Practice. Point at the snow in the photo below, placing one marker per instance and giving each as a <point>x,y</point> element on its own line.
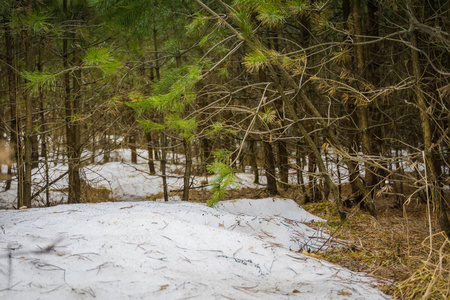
<point>269,207</point>
<point>174,250</point>
<point>240,249</point>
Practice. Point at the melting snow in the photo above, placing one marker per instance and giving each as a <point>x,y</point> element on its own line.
<point>174,250</point>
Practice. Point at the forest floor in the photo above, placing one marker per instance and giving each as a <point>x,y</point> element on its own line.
<point>395,248</point>
<point>404,244</point>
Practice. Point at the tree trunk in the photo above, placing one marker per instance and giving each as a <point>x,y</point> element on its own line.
<point>155,45</point>
<point>283,163</point>
<point>298,161</point>
<point>43,129</point>
<point>434,185</point>
<point>345,12</point>
<point>253,161</point>
<point>151,162</point>
<point>163,134</point>
<point>74,174</point>
<point>187,170</point>
<point>163,164</point>
<point>362,107</point>
<point>132,144</point>
<point>269,167</point>
<point>313,187</point>
<point>12,91</point>
<point>206,154</point>
<point>28,119</point>
<point>71,107</point>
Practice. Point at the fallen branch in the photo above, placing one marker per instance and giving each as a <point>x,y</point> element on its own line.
<point>49,184</point>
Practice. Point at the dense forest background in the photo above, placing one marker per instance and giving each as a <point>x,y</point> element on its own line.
<point>340,99</point>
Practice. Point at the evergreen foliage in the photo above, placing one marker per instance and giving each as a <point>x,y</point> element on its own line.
<point>225,176</point>
<point>103,59</point>
<point>37,80</point>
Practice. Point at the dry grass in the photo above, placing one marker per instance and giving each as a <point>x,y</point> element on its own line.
<point>431,279</point>
<point>91,194</point>
<point>396,246</point>
<point>5,153</point>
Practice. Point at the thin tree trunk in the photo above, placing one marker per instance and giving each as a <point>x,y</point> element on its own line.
<point>93,147</point>
<point>298,161</point>
<point>312,179</point>
<point>74,175</point>
<point>28,120</point>
<point>151,162</point>
<point>163,134</point>
<point>269,167</point>
<point>433,169</point>
<point>71,106</point>
<point>363,108</point>
<point>163,165</point>
<point>283,163</point>
<point>67,102</point>
<point>253,161</point>
<point>44,151</point>
<point>187,170</point>
<point>132,144</point>
<point>206,154</point>
<point>14,138</point>
<point>155,46</point>
<point>106,148</point>
<point>345,12</point>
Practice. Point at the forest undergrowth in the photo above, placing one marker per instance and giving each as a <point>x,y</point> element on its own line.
<point>401,247</point>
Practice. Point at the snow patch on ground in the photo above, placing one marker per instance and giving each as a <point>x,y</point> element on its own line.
<point>174,250</point>
<point>268,207</point>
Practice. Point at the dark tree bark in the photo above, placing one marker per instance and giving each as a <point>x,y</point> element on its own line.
<point>12,92</point>
<point>163,134</point>
<point>163,165</point>
<point>72,107</point>
<point>269,167</point>
<point>346,12</point>
<point>75,147</point>
<point>283,163</point>
<point>434,184</point>
<point>151,162</point>
<point>28,117</point>
<point>132,144</point>
<point>362,107</point>
<point>253,161</point>
<point>187,170</point>
<point>43,129</point>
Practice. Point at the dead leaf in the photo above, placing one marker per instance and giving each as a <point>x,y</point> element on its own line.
<point>344,293</point>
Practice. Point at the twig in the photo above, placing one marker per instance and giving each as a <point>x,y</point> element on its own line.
<point>49,184</point>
